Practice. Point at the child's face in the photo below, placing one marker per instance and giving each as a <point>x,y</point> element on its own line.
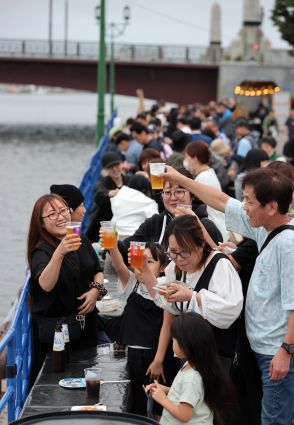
<point>176,349</point>
<point>153,265</point>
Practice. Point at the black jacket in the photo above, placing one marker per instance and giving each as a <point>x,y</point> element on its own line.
<point>153,229</point>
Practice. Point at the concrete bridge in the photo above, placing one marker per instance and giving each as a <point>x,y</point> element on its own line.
<point>178,74</point>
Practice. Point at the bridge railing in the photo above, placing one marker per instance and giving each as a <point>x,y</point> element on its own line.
<point>89,50</point>
<point>17,341</point>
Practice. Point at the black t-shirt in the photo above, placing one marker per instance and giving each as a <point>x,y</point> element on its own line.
<point>77,271</point>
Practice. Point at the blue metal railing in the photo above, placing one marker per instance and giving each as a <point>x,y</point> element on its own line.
<point>19,356</point>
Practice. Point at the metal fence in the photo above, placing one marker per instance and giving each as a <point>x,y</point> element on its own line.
<point>89,50</point>
<point>17,341</point>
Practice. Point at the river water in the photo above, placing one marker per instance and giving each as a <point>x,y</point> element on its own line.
<point>30,163</point>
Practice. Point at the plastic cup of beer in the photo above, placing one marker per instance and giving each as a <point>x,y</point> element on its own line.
<point>93,379</point>
<point>137,254</point>
<point>109,234</point>
<point>73,228</point>
<point>155,170</point>
<point>184,206</point>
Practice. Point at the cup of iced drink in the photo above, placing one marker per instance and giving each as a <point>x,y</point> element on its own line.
<point>137,254</point>
<point>109,234</point>
<point>73,228</point>
<point>184,206</point>
<point>93,379</point>
<point>155,170</point>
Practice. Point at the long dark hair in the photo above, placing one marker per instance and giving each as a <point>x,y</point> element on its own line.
<point>38,233</point>
<point>195,338</point>
<point>188,234</point>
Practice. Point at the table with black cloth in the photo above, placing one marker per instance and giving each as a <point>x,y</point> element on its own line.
<point>48,396</point>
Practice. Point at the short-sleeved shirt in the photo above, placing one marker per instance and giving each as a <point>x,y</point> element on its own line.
<point>244,147</point>
<point>187,387</point>
<point>129,287</point>
<point>270,296</point>
<point>221,303</point>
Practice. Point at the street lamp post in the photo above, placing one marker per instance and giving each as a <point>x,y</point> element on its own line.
<point>100,14</point>
<point>115,30</point>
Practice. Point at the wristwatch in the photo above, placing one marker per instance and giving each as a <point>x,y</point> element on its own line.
<point>288,347</point>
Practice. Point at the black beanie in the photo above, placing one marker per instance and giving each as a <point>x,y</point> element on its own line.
<point>71,194</point>
<point>110,159</point>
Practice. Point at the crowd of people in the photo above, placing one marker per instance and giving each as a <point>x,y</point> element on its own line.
<point>209,321</point>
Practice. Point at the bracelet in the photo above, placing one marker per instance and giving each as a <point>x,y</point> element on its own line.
<point>102,290</point>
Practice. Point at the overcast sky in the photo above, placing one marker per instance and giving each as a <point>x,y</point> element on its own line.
<point>184,22</point>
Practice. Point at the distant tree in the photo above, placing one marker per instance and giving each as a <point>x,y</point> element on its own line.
<point>283,18</point>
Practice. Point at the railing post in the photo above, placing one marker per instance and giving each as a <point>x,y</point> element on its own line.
<point>78,49</point>
<point>11,373</point>
<point>160,53</point>
<point>23,47</point>
<point>19,363</point>
<point>25,350</point>
<point>132,48</point>
<point>187,54</point>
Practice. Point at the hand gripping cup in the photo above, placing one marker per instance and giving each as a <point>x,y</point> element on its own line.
<point>109,234</point>
<point>93,378</point>
<point>137,254</point>
<point>73,227</point>
<point>184,206</point>
<point>155,170</point>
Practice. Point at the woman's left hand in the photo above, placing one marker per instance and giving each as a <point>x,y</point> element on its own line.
<point>184,211</point>
<point>182,293</point>
<point>89,303</point>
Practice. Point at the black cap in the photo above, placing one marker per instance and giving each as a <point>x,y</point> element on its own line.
<point>71,194</point>
<point>110,159</point>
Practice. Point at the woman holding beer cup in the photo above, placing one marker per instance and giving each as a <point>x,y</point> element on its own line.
<point>217,295</point>
<point>66,278</point>
<point>154,228</point>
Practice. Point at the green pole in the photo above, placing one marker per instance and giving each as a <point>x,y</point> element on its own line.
<point>101,76</point>
<point>112,76</point>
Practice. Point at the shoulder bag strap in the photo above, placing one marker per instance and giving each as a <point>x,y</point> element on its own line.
<point>204,279</point>
<point>275,233</point>
<point>179,304</point>
<point>135,289</point>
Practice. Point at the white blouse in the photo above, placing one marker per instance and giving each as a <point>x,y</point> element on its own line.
<point>221,303</point>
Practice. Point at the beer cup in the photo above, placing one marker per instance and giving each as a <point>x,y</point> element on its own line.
<point>109,234</point>
<point>184,206</point>
<point>93,379</point>
<point>73,227</point>
<point>155,170</point>
<point>137,254</point>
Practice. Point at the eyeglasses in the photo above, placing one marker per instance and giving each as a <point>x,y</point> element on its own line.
<point>184,255</point>
<point>178,193</point>
<point>55,214</point>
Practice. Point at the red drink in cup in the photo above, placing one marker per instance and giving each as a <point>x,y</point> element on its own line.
<point>137,254</point>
